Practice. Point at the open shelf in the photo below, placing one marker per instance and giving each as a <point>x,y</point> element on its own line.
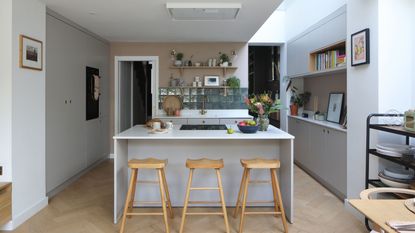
<point>396,129</point>
<point>223,68</point>
<point>378,184</point>
<point>329,57</point>
<point>398,160</point>
<point>319,73</point>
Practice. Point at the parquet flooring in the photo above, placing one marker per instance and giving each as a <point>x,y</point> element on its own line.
<point>87,207</point>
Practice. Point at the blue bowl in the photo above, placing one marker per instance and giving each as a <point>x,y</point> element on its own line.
<point>248,129</point>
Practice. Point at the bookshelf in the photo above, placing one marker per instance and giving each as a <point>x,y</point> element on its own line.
<point>330,57</point>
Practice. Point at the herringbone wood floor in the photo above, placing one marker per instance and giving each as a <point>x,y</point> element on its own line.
<point>86,207</point>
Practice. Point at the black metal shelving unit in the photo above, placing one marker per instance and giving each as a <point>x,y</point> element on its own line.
<point>393,129</point>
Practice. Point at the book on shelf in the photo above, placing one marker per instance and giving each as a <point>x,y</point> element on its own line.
<point>329,59</point>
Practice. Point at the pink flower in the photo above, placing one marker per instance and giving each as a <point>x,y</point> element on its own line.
<point>247,101</point>
<point>260,108</point>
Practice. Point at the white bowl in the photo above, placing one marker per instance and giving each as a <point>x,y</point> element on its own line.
<point>392,183</point>
<point>398,173</point>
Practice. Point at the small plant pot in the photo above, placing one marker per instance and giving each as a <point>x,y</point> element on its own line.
<point>224,64</point>
<point>294,110</point>
<point>178,63</point>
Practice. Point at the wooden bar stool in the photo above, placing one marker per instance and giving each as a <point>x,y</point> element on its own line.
<point>149,163</point>
<point>204,164</point>
<point>243,190</point>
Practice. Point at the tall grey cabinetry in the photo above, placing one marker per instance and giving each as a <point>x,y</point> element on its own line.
<point>322,152</point>
<point>72,143</point>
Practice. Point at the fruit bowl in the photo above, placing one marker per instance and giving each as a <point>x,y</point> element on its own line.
<point>248,128</point>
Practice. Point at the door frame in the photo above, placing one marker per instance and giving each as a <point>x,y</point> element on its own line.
<point>154,60</point>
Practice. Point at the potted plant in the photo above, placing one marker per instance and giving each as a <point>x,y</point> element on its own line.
<point>298,101</point>
<point>263,105</point>
<point>233,82</point>
<point>224,59</point>
<point>179,58</point>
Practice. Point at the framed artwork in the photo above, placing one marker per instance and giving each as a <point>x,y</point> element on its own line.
<point>31,53</point>
<point>360,48</point>
<point>92,93</point>
<point>335,107</point>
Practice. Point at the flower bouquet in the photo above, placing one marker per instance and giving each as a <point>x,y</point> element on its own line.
<point>263,105</point>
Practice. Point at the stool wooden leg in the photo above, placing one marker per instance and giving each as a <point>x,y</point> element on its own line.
<point>274,192</point>
<point>186,200</point>
<point>128,198</point>
<point>163,200</point>
<point>166,189</point>
<point>131,204</point>
<point>238,201</point>
<point>241,224</point>
<point>284,220</point>
<point>222,199</point>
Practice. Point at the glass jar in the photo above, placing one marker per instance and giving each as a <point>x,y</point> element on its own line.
<point>263,122</point>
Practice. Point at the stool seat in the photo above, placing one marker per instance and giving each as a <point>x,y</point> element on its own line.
<point>260,163</point>
<point>148,163</point>
<point>205,163</point>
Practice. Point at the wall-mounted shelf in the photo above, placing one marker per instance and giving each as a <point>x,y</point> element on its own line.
<point>328,57</point>
<point>319,73</point>
<point>223,68</point>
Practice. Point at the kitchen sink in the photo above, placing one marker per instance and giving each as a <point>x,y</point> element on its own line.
<point>203,127</point>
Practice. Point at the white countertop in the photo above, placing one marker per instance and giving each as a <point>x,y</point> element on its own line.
<point>237,113</point>
<point>142,132</point>
<point>322,123</point>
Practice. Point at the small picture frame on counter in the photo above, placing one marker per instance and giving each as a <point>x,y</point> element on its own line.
<point>335,107</point>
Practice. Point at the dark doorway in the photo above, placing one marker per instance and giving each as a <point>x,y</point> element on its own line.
<point>141,92</point>
<point>264,74</point>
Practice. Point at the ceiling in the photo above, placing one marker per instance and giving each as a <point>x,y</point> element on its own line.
<point>149,20</point>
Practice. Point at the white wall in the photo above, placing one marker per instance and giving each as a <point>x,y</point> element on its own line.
<point>72,143</point>
<point>301,14</point>
<point>28,116</point>
<point>272,31</point>
<point>396,59</point>
<point>6,89</point>
<point>362,98</point>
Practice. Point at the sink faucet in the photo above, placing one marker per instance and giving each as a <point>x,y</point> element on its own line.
<point>203,110</point>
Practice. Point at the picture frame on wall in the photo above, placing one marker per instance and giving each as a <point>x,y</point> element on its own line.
<point>30,53</point>
<point>335,107</point>
<point>360,50</point>
<point>92,93</point>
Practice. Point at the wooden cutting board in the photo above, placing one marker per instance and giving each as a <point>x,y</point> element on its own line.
<point>172,103</point>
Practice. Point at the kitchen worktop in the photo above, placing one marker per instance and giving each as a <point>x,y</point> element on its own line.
<point>142,132</point>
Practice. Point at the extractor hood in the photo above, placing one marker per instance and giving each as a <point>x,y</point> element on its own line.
<point>203,11</point>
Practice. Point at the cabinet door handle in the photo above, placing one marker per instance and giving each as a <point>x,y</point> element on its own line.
<point>328,131</point>
<point>324,130</point>
<point>203,122</point>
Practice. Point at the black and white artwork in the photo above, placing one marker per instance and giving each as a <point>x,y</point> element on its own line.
<point>92,93</point>
<point>335,107</point>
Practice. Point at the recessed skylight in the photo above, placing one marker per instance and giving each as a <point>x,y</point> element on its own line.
<point>203,11</point>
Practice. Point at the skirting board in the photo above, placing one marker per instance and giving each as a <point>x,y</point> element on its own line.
<point>74,178</point>
<point>25,215</point>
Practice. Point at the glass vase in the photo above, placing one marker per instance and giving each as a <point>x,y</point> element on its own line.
<point>263,122</point>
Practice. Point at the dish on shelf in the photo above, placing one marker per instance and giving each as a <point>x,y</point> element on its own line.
<point>389,153</point>
<point>395,183</point>
<point>399,148</point>
<point>398,173</point>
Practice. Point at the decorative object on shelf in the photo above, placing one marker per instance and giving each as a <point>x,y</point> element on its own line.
<point>409,117</point>
<point>263,105</point>
<point>211,80</point>
<point>298,100</point>
<point>92,93</point>
<point>30,53</point>
<point>171,104</point>
<point>335,107</point>
<point>319,116</point>
<point>360,50</point>
<point>233,55</point>
<point>224,59</point>
<point>179,57</point>
<point>233,82</point>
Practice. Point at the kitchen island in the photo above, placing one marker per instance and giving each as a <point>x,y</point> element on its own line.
<point>178,145</point>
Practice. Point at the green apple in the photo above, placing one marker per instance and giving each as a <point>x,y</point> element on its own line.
<point>231,131</point>
<point>252,123</point>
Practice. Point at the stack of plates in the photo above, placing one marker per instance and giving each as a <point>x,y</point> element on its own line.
<point>397,177</point>
<point>393,150</point>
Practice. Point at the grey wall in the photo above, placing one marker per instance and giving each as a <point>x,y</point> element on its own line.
<point>72,143</point>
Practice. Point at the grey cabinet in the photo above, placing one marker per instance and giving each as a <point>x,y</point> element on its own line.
<point>203,121</point>
<point>330,30</point>
<point>322,152</point>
